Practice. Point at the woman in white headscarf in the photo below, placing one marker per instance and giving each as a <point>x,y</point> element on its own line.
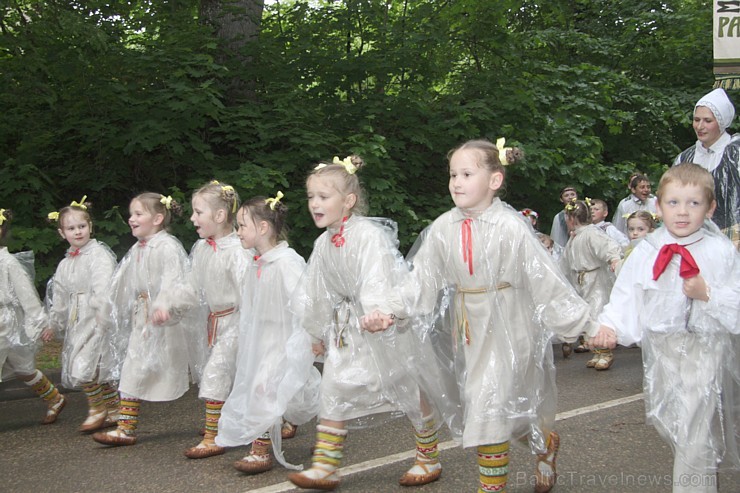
<point>719,153</point>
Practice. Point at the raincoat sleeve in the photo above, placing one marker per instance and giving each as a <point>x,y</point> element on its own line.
<point>35,316</point>
<point>56,301</point>
<point>621,313</point>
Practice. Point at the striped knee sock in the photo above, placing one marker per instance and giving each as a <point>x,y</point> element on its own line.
<point>110,398</point>
<point>128,418</point>
<point>94,393</point>
<point>213,414</point>
<point>493,466</point>
<point>329,445</point>
<point>427,442</point>
<point>43,387</point>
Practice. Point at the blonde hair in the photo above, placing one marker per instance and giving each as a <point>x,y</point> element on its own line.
<point>220,196</point>
<point>259,210</point>
<point>643,216</point>
<point>84,208</point>
<point>579,210</point>
<point>153,203</point>
<point>688,174</point>
<point>489,154</point>
<point>345,182</point>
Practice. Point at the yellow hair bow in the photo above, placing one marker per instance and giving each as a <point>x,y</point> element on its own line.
<point>224,190</point>
<point>53,216</point>
<point>273,202</point>
<point>588,201</point>
<point>502,150</point>
<point>167,201</point>
<point>214,182</point>
<point>80,204</point>
<point>347,163</point>
<point>2,216</point>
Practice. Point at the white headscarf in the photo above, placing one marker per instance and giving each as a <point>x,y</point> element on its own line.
<point>720,106</point>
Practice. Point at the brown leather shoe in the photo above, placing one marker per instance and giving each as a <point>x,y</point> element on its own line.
<point>427,477</point>
<point>199,452</point>
<point>253,466</point>
<point>328,483</point>
<point>52,412</point>
<point>545,483</point>
<point>114,439</point>
<point>288,430</point>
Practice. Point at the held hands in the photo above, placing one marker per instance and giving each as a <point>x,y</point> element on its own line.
<point>605,338</point>
<point>613,265</point>
<point>376,321</point>
<point>696,288</point>
<point>318,348</point>
<point>160,316</point>
<point>47,335</point>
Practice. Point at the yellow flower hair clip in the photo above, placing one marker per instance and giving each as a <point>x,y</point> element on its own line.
<point>273,202</point>
<point>500,143</point>
<point>2,217</point>
<point>166,201</point>
<point>347,163</point>
<point>214,182</point>
<point>53,216</point>
<point>587,200</point>
<point>80,204</point>
<point>572,205</point>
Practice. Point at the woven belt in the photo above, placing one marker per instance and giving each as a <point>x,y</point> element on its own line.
<point>463,326</point>
<point>213,323</point>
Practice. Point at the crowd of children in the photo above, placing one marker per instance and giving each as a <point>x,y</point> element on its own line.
<point>245,317</point>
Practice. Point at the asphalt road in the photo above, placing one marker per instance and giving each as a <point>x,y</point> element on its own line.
<point>605,447</point>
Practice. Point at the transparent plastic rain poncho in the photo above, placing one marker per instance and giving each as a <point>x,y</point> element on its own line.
<point>152,361</point>
<point>275,374</point>
<point>218,272</point>
<point>507,295</point>
<point>726,178</point>
<point>22,315</point>
<point>80,310</point>
<point>690,348</point>
<point>586,264</point>
<point>369,377</point>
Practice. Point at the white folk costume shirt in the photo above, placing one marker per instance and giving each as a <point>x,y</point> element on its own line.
<point>509,294</point>
<point>366,373</point>
<point>689,347</point>
<point>631,204</point>
<point>218,271</point>
<point>586,265</point>
<point>275,377</point>
<point>613,233</point>
<point>559,231</point>
<point>79,298</point>
<point>153,276</point>
<point>22,317</point>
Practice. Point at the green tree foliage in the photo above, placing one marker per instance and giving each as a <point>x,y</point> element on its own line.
<point>112,98</point>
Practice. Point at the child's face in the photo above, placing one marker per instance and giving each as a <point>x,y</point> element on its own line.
<point>568,196</point>
<point>142,222</point>
<point>706,126</point>
<point>642,190</point>
<point>247,231</point>
<point>75,229</point>
<point>208,222</point>
<point>326,204</point>
<point>547,243</point>
<point>471,186</point>
<point>598,213</point>
<point>684,208</point>
<point>637,228</point>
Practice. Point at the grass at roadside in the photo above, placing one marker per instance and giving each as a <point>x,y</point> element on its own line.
<point>48,356</point>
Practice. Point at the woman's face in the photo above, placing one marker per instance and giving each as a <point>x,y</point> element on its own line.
<point>706,126</point>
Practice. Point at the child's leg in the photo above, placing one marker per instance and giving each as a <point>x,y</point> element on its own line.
<point>207,447</point>
<point>97,411</point>
<point>327,456</point>
<point>128,421</point>
<point>259,458</point>
<point>605,360</point>
<point>493,467</point>
<point>545,475</point>
<point>43,388</point>
<point>288,430</point>
<point>427,467</point>
<point>112,402</point>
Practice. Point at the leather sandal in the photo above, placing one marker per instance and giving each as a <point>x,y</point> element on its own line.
<point>409,479</point>
<point>330,482</point>
<point>114,438</point>
<point>288,430</point>
<point>202,451</point>
<point>545,483</point>
<point>52,412</point>
<point>251,464</point>
<point>94,421</point>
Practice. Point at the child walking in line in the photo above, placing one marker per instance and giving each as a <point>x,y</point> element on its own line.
<point>275,374</point>
<point>678,295</point>
<point>640,199</point>
<point>589,261</point>
<point>639,224</point>
<point>599,213</point>
<point>152,298</point>
<point>508,294</point>
<point>22,320</point>
<point>80,308</point>
<point>219,264</point>
<point>355,268</point>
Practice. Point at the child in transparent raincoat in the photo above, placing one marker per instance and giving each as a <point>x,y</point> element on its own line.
<point>219,264</point>
<point>354,269</point>
<point>152,300</point>
<point>80,308</point>
<point>678,295</point>
<point>22,320</point>
<point>275,374</point>
<point>588,261</point>
<point>509,294</point>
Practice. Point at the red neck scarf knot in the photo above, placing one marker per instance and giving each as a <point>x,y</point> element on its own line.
<point>74,253</point>
<point>688,264</point>
<point>338,238</point>
<point>259,265</point>
<point>211,242</point>
<point>467,244</point>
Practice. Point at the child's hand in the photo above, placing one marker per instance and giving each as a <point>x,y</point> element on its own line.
<point>696,288</point>
<point>376,321</point>
<point>605,338</point>
<point>613,265</point>
<point>160,316</point>
<point>318,348</point>
<point>47,335</point>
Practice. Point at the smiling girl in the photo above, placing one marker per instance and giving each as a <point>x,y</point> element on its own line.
<point>79,297</point>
